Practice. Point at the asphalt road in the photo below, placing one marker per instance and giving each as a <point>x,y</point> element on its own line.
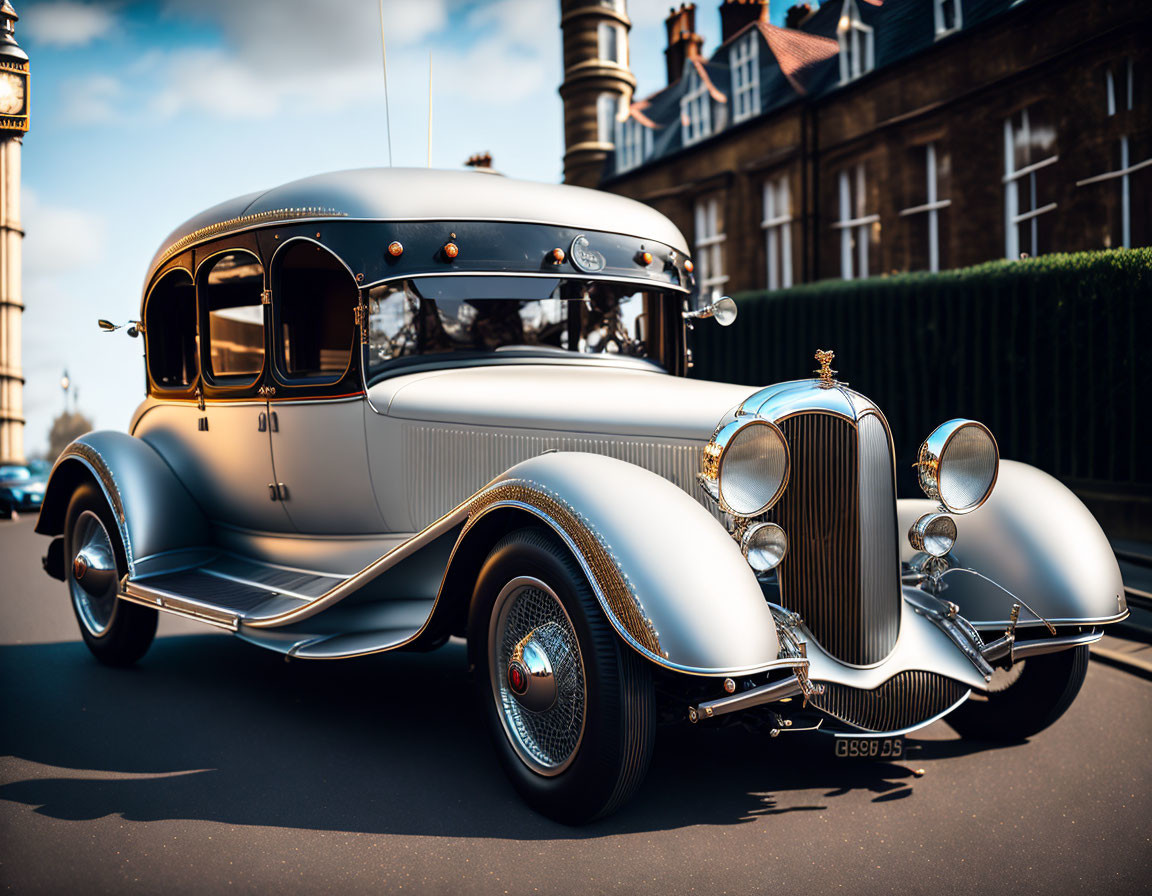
<point>213,766</point>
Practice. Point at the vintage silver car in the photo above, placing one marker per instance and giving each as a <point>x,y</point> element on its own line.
<point>389,407</point>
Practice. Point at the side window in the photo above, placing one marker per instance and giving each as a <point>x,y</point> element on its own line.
<point>314,301</point>
<point>230,290</point>
<point>170,331</point>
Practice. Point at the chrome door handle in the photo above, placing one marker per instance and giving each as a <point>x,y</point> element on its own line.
<point>262,426</point>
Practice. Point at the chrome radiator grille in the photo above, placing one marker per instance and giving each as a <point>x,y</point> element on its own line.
<point>839,511</point>
<point>904,700</point>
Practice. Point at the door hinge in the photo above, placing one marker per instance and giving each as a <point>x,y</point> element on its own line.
<point>278,491</point>
<point>266,297</point>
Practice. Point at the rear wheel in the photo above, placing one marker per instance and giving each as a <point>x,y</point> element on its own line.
<point>1024,699</point>
<point>118,633</point>
<point>570,707</point>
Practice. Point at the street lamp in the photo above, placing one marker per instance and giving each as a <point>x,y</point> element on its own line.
<point>65,383</point>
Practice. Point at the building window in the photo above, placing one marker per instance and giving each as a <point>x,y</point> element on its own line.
<point>1029,154</point>
<point>633,144</point>
<point>695,108</point>
<point>949,16</point>
<point>856,51</point>
<point>607,107</point>
<point>710,247</point>
<point>777,225</point>
<point>612,43</point>
<point>746,76</point>
<point>931,169</point>
<point>1120,86</point>
<point>856,226</point>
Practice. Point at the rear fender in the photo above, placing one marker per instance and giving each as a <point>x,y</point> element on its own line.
<point>1036,539</point>
<point>153,510</point>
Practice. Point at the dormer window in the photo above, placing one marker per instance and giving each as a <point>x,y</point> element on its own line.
<point>695,107</point>
<point>949,16</point>
<point>857,56</point>
<point>746,76</point>
<point>634,144</point>
<point>612,43</point>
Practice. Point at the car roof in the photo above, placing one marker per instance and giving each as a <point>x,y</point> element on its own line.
<point>423,194</point>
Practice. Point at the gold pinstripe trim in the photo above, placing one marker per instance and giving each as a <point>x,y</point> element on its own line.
<point>623,602</point>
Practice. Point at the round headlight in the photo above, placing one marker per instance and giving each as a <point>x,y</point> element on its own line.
<point>958,465</point>
<point>748,458</point>
<point>933,533</point>
<point>765,545</point>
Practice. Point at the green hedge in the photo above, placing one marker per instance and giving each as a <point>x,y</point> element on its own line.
<point>1045,351</point>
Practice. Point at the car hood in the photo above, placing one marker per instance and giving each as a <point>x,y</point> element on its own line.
<point>562,397</point>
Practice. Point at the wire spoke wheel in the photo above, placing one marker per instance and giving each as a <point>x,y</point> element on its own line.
<point>537,675</point>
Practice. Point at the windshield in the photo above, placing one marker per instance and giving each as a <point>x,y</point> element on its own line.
<point>506,318</point>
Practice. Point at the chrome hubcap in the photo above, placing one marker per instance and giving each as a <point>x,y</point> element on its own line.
<point>93,579</point>
<point>537,675</point>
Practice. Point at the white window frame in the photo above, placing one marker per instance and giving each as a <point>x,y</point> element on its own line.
<point>745,63</point>
<point>931,208</point>
<point>1012,180</point>
<point>606,119</point>
<point>857,50</point>
<point>710,238</point>
<point>1129,85</point>
<point>695,108</point>
<point>611,32</point>
<point>854,225</point>
<point>777,227</point>
<point>1122,174</point>
<point>634,144</point>
<point>938,7</point>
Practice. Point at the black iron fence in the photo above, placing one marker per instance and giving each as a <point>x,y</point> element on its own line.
<point>1046,351</point>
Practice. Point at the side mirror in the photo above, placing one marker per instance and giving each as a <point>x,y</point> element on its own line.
<point>723,310</point>
<point>134,330</point>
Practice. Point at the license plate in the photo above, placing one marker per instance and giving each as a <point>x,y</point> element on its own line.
<point>870,747</point>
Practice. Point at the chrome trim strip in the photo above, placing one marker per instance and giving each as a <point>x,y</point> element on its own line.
<point>1025,649</point>
<point>177,607</point>
<point>1032,623</point>
<point>579,275</point>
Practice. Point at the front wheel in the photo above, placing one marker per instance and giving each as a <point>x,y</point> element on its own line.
<point>118,633</point>
<point>570,708</point>
<point>1024,699</point>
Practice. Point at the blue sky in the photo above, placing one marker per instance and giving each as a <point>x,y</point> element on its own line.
<point>145,113</point>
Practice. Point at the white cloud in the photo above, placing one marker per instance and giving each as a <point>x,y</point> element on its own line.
<point>59,239</point>
<point>65,23</point>
<point>91,100</point>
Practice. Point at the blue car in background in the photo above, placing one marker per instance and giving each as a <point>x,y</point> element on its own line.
<point>22,488</point>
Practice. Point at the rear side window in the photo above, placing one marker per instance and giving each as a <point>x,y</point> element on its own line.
<point>170,331</point>
<point>230,292</point>
<point>314,298</point>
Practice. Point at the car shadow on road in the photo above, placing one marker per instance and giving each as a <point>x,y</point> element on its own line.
<point>208,728</point>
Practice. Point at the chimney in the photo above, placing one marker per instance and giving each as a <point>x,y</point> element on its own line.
<point>683,41</point>
<point>735,14</point>
<point>479,160</point>
<point>797,15</point>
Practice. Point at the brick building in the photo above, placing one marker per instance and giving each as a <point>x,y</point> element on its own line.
<point>868,137</point>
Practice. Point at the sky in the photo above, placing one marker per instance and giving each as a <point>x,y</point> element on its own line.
<point>143,114</point>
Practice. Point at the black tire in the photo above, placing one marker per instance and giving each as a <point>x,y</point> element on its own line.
<point>1045,689</point>
<point>614,749</point>
<point>127,633</point>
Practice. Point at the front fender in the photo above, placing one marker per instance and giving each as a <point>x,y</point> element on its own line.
<point>671,580</point>
<point>1036,539</point>
<point>154,511</point>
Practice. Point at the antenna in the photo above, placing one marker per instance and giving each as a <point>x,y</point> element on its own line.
<point>429,108</point>
<point>384,59</point>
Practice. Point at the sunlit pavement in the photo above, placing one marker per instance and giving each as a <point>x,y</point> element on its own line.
<point>214,766</point>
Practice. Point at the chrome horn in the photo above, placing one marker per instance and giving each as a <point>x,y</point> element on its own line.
<point>723,310</point>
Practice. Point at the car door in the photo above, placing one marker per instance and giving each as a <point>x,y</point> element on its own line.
<point>217,440</point>
<point>316,410</point>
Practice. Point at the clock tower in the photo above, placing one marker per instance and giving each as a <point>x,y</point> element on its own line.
<point>13,126</point>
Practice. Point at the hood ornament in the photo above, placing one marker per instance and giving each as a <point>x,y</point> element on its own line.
<point>825,374</point>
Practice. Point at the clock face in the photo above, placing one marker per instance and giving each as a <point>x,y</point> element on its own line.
<point>11,94</point>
